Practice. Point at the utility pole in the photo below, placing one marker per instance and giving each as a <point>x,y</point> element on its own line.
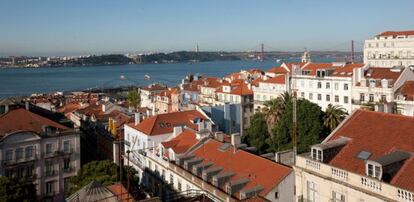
<point>294,118</point>
<point>352,51</point>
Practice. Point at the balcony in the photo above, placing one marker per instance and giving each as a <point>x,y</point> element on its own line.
<point>18,161</point>
<point>49,173</point>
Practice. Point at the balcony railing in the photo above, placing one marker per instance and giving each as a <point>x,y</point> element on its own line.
<point>17,161</point>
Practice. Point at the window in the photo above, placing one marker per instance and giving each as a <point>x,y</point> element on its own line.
<point>19,153</point>
<point>336,86</point>
<point>179,185</point>
<point>373,170</point>
<point>66,146</point>
<point>328,98</point>
<point>317,154</point>
<point>346,99</point>
<point>66,184</point>
<point>163,174</point>
<point>319,97</point>
<point>310,96</point>
<point>346,86</point>
<point>383,98</point>
<point>49,187</point>
<point>9,155</point>
<point>29,152</point>
<point>264,97</point>
<point>328,85</point>
<point>362,97</point>
<point>336,98</point>
<point>276,195</point>
<point>312,191</point>
<point>49,168</point>
<point>337,197</point>
<point>302,94</point>
<point>371,97</point>
<point>319,85</point>
<point>171,179</point>
<point>49,148</point>
<point>66,164</point>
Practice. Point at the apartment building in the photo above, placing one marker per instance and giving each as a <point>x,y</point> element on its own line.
<point>203,162</point>
<point>145,135</point>
<point>167,101</point>
<point>369,157</point>
<point>147,94</point>
<point>390,48</point>
<point>326,83</point>
<point>376,86</point>
<point>208,91</point>
<point>238,92</point>
<point>268,89</point>
<point>37,147</point>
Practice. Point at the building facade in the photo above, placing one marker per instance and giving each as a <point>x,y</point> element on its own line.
<point>391,48</point>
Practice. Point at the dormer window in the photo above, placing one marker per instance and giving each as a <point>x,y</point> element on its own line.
<point>320,73</point>
<point>374,170</point>
<point>316,154</point>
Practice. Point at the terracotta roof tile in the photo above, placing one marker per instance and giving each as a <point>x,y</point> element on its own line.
<point>182,142</point>
<point>260,171</point>
<point>24,120</point>
<point>379,134</point>
<point>165,123</point>
<point>397,33</point>
<point>407,90</point>
<point>347,70</point>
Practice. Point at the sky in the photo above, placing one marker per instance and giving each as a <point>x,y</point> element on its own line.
<point>75,27</point>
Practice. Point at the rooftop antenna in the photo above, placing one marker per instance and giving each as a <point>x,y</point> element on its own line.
<point>352,51</point>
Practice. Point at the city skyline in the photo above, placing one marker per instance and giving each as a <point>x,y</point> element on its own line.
<point>98,27</point>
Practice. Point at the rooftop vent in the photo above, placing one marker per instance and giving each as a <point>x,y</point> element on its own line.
<point>236,185</point>
<point>247,193</point>
<point>224,147</point>
<point>197,169</point>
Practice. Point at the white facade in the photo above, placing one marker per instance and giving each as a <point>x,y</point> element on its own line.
<point>325,90</point>
<point>390,49</point>
<point>51,159</point>
<point>266,91</point>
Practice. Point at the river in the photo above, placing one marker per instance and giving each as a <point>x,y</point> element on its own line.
<point>26,81</point>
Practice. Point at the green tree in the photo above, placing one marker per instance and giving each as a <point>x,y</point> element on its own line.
<point>334,115</point>
<point>257,133</point>
<point>274,109</point>
<point>17,189</point>
<point>104,172</point>
<point>309,127</point>
<point>134,99</point>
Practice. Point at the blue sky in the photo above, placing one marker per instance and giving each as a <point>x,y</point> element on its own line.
<point>57,27</point>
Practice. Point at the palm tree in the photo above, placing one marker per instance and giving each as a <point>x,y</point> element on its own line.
<point>334,115</point>
<point>274,109</point>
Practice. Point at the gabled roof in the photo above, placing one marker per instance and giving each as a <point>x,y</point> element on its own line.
<point>379,134</point>
<point>347,70</point>
<point>164,123</point>
<point>238,89</point>
<point>24,120</point>
<point>279,79</point>
<point>258,170</point>
<point>397,33</point>
<point>279,70</point>
<point>182,142</point>
<point>382,73</point>
<point>407,90</point>
<point>95,191</point>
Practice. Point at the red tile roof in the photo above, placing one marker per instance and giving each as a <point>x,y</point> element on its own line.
<point>347,70</point>
<point>182,142</point>
<point>278,70</point>
<point>279,79</point>
<point>382,73</point>
<point>260,171</point>
<point>120,192</point>
<point>24,120</point>
<point>238,89</point>
<point>313,67</point>
<point>155,87</point>
<point>379,134</point>
<point>407,90</point>
<point>165,123</point>
<point>397,33</point>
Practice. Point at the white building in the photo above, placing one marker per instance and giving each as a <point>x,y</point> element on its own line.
<point>326,83</point>
<point>147,94</point>
<point>195,162</point>
<point>268,89</point>
<point>377,86</point>
<point>141,137</point>
<point>391,48</point>
<point>369,157</point>
<point>34,146</point>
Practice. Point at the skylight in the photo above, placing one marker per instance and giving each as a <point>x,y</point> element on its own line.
<point>364,155</point>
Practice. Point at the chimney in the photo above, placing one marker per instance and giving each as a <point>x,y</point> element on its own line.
<point>103,107</point>
<point>177,130</point>
<point>219,136</point>
<point>235,139</point>
<point>6,108</point>
<point>27,105</point>
<point>137,118</point>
